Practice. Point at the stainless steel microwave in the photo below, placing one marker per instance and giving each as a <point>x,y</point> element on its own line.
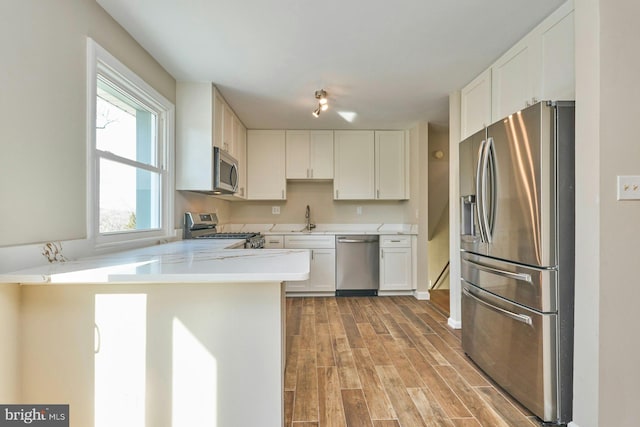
<point>225,172</point>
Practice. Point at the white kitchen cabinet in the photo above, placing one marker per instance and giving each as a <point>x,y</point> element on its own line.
<point>266,179</point>
<point>391,166</point>
<point>558,56</point>
<point>228,142</point>
<point>354,167</point>
<point>218,119</point>
<point>514,78</point>
<point>309,154</point>
<point>371,165</point>
<point>541,66</point>
<point>396,273</point>
<point>475,105</point>
<point>273,241</point>
<point>200,112</point>
<point>322,273</point>
<point>240,153</point>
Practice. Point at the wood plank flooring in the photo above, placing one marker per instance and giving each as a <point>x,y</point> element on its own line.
<point>385,362</point>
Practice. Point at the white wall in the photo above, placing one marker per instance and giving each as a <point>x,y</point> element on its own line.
<point>619,154</point>
<point>420,136</point>
<point>43,105</point>
<point>587,278</point>
<point>455,314</point>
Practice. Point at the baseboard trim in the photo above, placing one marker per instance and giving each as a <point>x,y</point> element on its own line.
<point>455,324</point>
<point>422,295</point>
<point>572,424</point>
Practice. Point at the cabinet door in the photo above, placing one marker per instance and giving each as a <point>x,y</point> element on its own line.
<point>321,154</point>
<point>218,120</point>
<point>322,276</point>
<point>475,105</point>
<point>513,79</point>
<point>354,168</point>
<point>298,154</point>
<point>558,58</point>
<point>266,178</point>
<point>391,165</point>
<point>240,144</point>
<point>227,130</point>
<point>395,269</point>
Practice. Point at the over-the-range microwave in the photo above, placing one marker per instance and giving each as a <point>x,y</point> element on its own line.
<point>225,172</point>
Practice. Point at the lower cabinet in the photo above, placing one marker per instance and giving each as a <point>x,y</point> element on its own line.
<point>396,273</point>
<point>322,274</point>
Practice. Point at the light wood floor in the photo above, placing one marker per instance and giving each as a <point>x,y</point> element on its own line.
<point>384,362</point>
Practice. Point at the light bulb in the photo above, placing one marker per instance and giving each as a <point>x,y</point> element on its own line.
<point>324,107</point>
<point>323,101</point>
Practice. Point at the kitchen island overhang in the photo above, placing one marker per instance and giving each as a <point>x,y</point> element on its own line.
<point>212,347</point>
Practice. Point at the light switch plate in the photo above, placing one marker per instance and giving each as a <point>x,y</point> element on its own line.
<point>629,187</point>
<point>275,210</point>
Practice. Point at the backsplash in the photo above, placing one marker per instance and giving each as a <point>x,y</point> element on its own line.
<point>319,197</point>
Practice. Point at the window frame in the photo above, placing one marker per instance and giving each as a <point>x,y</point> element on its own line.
<point>101,62</point>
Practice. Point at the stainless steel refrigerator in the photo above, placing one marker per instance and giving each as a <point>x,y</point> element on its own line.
<point>517,255</point>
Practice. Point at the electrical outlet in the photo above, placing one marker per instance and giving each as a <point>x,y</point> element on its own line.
<point>359,210</point>
<point>629,187</point>
<point>275,210</point>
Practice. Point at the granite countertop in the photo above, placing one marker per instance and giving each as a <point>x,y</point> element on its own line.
<point>186,261</point>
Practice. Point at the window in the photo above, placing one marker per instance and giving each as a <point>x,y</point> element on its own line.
<point>130,135</point>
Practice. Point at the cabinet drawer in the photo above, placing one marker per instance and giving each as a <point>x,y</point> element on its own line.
<point>274,242</point>
<point>309,242</point>
<point>395,241</point>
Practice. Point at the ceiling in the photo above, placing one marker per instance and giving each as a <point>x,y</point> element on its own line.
<point>390,62</point>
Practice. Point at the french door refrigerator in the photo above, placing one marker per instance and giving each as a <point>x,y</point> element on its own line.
<point>517,255</point>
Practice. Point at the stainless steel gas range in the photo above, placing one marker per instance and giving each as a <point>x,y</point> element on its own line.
<point>203,226</point>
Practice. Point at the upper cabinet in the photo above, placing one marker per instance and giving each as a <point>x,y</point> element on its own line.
<point>558,56</point>
<point>266,178</point>
<point>538,67</point>
<point>203,121</point>
<point>513,78</point>
<point>309,154</point>
<point>354,167</point>
<point>370,165</point>
<point>240,153</point>
<point>475,104</point>
<point>392,171</point>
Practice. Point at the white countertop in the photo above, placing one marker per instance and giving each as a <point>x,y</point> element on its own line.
<point>268,229</point>
<point>186,261</point>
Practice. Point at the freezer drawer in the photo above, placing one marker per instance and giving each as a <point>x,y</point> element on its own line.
<point>514,346</point>
<point>532,287</point>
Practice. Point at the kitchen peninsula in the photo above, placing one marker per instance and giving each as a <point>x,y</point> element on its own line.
<point>170,334</point>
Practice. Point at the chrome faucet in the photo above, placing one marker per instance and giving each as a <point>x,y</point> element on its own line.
<point>307,216</point>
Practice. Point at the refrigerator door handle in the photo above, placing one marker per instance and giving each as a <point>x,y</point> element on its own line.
<point>508,274</point>
<point>491,164</point>
<point>484,167</point>
<point>515,316</point>
<point>479,191</point>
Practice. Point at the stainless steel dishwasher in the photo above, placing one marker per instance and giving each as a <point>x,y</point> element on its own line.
<point>357,265</point>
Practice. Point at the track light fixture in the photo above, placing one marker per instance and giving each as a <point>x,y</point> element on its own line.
<point>323,104</point>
